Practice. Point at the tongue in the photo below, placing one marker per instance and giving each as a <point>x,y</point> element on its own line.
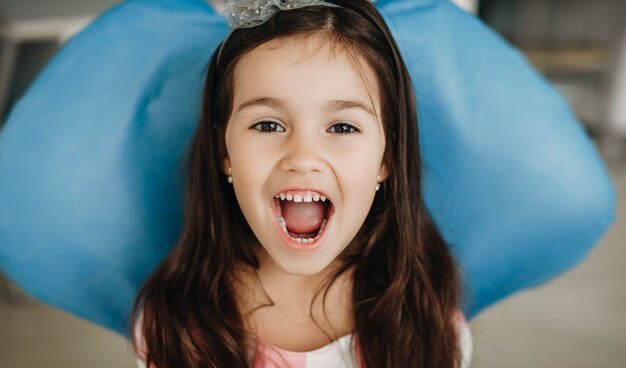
<point>303,217</point>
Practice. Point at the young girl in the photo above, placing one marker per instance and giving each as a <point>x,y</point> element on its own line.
<point>306,241</point>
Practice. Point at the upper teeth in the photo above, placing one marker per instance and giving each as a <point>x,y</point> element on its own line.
<point>308,196</point>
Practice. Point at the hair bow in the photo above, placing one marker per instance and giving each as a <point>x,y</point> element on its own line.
<point>250,13</point>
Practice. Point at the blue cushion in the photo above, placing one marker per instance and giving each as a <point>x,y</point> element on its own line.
<point>90,181</point>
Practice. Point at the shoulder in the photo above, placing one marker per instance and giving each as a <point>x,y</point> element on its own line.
<point>139,343</point>
<point>465,339</point>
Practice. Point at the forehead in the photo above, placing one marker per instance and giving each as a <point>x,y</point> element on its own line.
<point>305,69</point>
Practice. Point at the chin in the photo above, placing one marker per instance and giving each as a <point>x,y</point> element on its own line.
<point>306,267</point>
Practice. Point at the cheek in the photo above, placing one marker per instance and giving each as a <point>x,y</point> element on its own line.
<point>361,166</point>
<point>250,162</point>
<point>357,179</point>
<point>250,175</point>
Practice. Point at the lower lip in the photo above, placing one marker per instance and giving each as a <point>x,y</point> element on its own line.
<point>304,247</point>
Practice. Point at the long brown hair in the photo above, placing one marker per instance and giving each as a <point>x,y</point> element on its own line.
<point>405,283</point>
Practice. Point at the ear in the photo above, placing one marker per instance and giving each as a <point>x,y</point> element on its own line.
<point>226,166</point>
<point>383,172</point>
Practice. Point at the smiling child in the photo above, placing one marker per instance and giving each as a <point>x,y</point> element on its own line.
<point>306,240</point>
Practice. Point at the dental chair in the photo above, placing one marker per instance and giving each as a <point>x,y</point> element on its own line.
<point>91,175</point>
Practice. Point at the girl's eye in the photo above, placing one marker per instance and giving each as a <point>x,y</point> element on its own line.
<point>343,128</point>
<point>268,126</point>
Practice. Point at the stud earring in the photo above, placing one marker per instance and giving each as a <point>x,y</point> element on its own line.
<point>378,185</point>
<point>229,178</point>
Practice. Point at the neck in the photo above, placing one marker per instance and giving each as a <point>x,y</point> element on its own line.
<point>294,300</point>
<point>275,278</point>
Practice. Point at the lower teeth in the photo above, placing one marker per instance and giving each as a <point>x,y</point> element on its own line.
<point>283,225</point>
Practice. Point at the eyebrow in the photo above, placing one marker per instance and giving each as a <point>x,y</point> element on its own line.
<point>262,101</point>
<point>337,105</point>
<point>334,105</point>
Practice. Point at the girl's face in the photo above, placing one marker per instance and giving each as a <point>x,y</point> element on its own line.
<point>304,120</point>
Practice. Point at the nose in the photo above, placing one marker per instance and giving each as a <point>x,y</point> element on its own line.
<point>303,154</point>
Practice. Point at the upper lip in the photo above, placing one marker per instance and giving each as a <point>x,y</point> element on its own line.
<point>304,189</point>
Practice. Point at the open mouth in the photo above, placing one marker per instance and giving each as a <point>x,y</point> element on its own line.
<point>303,216</point>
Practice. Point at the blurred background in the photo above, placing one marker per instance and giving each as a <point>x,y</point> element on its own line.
<point>577,320</point>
